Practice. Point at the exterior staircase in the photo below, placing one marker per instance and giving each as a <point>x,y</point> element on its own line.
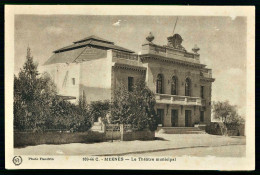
<point>180,130</point>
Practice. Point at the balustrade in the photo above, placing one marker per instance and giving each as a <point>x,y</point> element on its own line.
<point>129,56</point>
<point>177,99</point>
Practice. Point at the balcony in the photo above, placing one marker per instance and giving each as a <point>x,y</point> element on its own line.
<point>126,59</point>
<point>169,52</point>
<point>124,55</point>
<point>179,100</point>
<point>206,73</point>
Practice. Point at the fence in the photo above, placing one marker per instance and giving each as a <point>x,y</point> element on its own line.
<point>110,132</point>
<point>45,130</point>
<point>120,127</point>
<point>126,132</point>
<point>35,138</point>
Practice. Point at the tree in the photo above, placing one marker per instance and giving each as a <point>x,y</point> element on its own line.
<point>37,106</point>
<point>120,109</point>
<point>33,96</point>
<point>144,104</point>
<point>135,108</point>
<point>227,113</point>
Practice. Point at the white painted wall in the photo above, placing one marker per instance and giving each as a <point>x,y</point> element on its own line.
<point>62,75</point>
<point>95,79</point>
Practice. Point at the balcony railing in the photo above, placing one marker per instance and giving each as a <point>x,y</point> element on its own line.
<point>170,52</point>
<point>207,73</point>
<point>124,55</point>
<point>179,100</point>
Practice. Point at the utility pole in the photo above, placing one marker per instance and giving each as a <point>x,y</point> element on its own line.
<point>175,25</point>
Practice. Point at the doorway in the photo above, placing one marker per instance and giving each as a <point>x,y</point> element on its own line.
<point>160,113</point>
<point>188,118</point>
<point>174,119</point>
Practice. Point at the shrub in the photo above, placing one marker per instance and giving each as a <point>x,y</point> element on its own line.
<point>135,108</point>
<point>216,128</point>
<point>228,115</point>
<point>68,116</point>
<point>99,109</point>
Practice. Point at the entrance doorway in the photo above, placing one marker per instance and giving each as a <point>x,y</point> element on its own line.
<point>187,118</point>
<point>160,113</point>
<point>174,118</point>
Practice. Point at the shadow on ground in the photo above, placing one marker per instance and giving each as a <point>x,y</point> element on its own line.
<point>160,138</point>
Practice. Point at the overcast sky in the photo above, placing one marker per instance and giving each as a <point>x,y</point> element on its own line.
<point>222,41</point>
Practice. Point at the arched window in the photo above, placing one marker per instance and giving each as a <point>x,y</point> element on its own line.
<point>187,87</point>
<point>159,84</point>
<point>174,85</point>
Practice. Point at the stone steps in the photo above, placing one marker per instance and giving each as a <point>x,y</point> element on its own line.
<point>180,130</point>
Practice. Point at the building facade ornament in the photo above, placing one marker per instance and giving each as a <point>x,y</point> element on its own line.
<point>150,37</point>
<point>195,49</point>
<point>175,42</point>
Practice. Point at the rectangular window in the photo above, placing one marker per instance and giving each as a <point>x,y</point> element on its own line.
<point>130,84</point>
<point>201,116</point>
<point>160,113</point>
<point>73,81</point>
<point>202,92</point>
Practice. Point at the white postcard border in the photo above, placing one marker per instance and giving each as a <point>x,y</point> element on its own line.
<point>181,163</point>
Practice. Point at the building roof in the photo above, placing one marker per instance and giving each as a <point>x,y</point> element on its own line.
<point>93,41</point>
<point>72,52</point>
<point>93,37</point>
<point>65,57</point>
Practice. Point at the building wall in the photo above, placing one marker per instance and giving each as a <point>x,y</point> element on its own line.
<point>155,67</point>
<point>167,120</point>
<point>91,74</point>
<point>120,76</point>
<point>62,75</point>
<point>95,79</point>
<point>207,96</point>
<point>169,70</point>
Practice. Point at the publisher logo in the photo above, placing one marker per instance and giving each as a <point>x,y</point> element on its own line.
<point>17,160</point>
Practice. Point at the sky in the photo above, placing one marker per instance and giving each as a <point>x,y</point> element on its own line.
<point>222,42</point>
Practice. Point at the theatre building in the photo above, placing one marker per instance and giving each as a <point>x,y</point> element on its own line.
<point>95,67</point>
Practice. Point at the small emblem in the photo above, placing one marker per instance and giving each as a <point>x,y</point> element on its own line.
<point>17,160</point>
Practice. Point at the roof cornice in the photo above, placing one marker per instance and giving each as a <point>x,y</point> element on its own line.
<point>171,60</point>
<point>129,67</point>
<point>206,79</point>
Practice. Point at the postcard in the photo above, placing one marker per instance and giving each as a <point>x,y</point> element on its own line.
<point>130,87</point>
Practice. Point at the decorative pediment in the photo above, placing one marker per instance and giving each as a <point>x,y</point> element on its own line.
<point>175,42</point>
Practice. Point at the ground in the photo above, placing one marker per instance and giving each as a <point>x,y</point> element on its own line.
<point>198,145</point>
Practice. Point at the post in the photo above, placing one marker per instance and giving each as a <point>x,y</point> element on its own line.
<point>122,131</point>
<point>104,127</point>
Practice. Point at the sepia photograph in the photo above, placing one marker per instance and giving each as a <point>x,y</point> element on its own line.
<point>129,88</point>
